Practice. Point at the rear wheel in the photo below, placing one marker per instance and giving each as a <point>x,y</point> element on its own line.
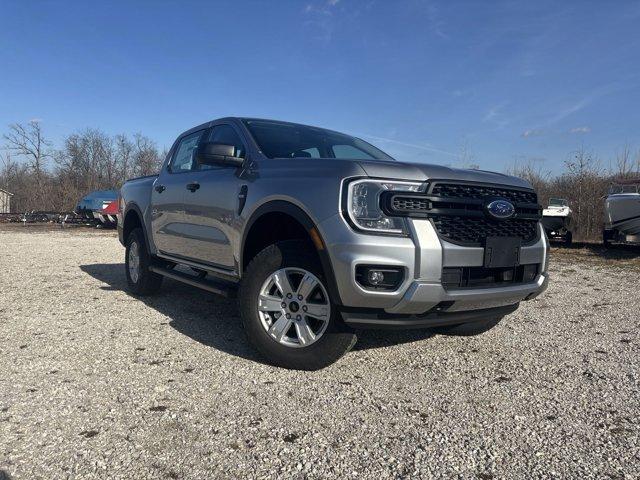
<point>286,310</point>
<point>140,280</point>
<point>469,329</point>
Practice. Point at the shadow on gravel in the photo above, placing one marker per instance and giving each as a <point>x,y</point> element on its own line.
<point>4,475</point>
<point>214,321</point>
<point>209,319</point>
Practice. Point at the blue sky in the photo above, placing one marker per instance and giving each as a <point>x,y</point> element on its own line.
<point>423,80</point>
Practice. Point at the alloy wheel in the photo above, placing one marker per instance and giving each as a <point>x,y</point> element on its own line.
<point>294,307</point>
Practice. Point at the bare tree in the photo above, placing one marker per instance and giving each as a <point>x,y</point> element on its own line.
<point>146,158</point>
<point>124,150</point>
<point>16,178</point>
<point>531,170</point>
<point>624,163</point>
<point>467,158</point>
<point>585,183</point>
<point>28,141</point>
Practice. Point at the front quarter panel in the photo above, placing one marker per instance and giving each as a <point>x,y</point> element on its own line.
<point>310,184</point>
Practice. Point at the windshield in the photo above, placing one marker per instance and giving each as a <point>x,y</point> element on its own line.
<point>289,140</point>
<point>614,189</point>
<point>558,202</point>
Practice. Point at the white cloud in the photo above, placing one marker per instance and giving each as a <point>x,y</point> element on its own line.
<point>462,92</point>
<point>584,129</point>
<point>320,19</point>
<point>496,116</point>
<point>533,132</point>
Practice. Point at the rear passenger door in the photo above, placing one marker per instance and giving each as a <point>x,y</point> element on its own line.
<point>211,209</point>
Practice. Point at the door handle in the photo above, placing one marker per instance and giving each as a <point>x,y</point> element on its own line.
<point>193,186</point>
<point>160,188</point>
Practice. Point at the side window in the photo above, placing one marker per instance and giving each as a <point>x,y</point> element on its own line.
<point>184,159</point>
<point>226,135</point>
<point>350,152</point>
<point>311,152</point>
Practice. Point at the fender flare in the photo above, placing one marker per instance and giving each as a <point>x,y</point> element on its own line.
<point>132,207</point>
<point>288,208</point>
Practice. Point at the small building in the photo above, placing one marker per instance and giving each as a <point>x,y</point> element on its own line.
<point>5,201</point>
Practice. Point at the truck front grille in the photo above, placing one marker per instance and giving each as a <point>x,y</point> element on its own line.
<point>471,230</point>
<point>458,211</point>
<point>453,190</point>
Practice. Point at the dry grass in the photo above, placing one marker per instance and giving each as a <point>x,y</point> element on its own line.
<point>617,256</point>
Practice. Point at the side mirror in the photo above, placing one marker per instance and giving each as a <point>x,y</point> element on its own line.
<point>210,153</point>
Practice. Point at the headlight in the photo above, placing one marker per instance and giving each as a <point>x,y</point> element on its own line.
<point>363,205</point>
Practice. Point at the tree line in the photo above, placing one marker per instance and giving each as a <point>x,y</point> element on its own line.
<point>584,182</point>
<point>45,178</point>
<point>42,177</point>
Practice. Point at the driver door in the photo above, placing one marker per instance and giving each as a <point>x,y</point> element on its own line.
<point>211,208</point>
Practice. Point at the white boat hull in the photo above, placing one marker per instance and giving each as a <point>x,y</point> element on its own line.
<point>622,213</point>
<point>556,220</point>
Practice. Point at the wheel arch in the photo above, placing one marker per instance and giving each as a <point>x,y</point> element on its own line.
<point>133,218</point>
<point>303,227</point>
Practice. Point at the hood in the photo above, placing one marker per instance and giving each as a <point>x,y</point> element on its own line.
<point>421,172</point>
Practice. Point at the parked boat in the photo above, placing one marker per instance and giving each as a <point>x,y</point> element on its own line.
<point>100,206</point>
<point>622,212</point>
<point>557,220</point>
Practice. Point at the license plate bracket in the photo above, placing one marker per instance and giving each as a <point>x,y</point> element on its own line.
<point>501,252</point>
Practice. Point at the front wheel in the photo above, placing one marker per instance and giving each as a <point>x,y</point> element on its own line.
<point>286,310</point>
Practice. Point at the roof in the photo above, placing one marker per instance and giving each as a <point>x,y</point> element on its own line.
<point>5,191</point>
<point>627,181</point>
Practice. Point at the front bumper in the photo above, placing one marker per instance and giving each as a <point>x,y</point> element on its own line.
<point>422,255</point>
<point>364,318</point>
<point>421,297</point>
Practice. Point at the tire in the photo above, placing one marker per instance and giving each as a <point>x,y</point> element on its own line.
<point>278,338</point>
<point>468,329</point>
<point>568,239</point>
<point>144,281</point>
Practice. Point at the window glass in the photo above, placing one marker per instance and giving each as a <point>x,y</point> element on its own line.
<point>226,135</point>
<point>313,152</point>
<point>184,159</point>
<point>349,151</point>
<point>291,140</point>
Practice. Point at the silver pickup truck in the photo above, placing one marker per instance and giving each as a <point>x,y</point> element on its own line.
<point>320,234</point>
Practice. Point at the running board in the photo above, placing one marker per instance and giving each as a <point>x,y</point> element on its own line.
<point>226,289</point>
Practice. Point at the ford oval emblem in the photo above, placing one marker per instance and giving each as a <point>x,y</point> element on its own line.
<point>501,209</point>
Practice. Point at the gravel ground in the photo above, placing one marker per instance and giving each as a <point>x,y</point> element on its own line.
<point>97,384</point>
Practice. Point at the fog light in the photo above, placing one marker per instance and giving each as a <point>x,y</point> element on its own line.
<point>379,277</point>
<point>375,277</point>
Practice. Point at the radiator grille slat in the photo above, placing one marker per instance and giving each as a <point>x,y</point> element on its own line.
<point>480,192</point>
<point>475,230</point>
